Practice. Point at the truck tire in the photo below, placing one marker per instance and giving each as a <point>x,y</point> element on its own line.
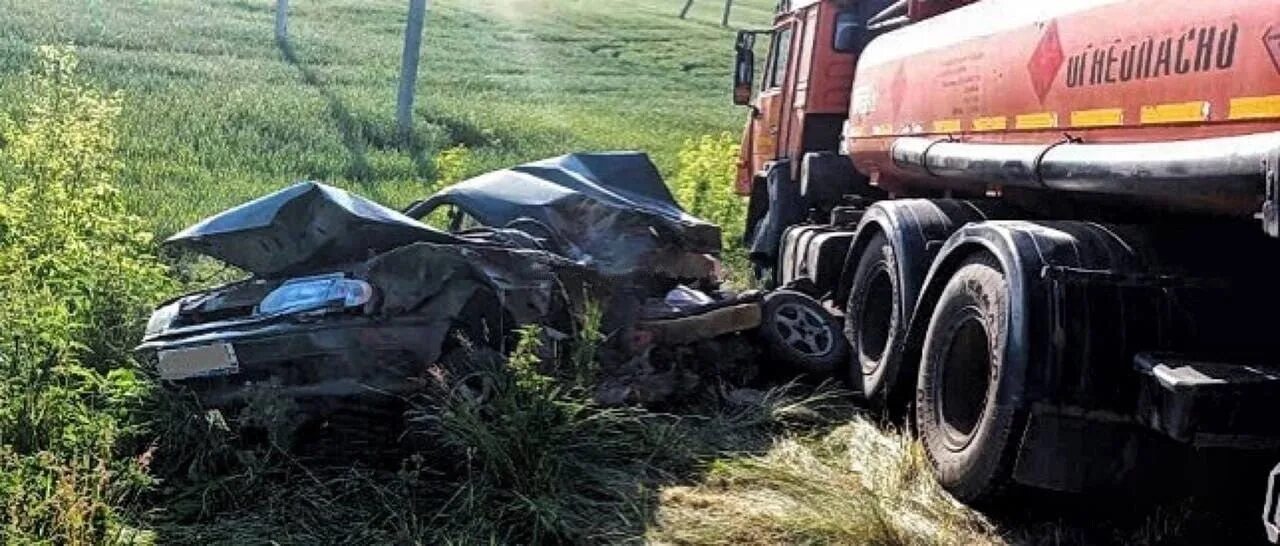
<point>969,434</point>
<point>874,325</point>
<point>798,331</point>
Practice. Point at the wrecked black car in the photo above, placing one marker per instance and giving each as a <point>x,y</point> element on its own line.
<point>348,300</point>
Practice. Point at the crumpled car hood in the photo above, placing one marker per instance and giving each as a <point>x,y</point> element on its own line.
<point>302,228</point>
<point>612,209</point>
<point>610,212</point>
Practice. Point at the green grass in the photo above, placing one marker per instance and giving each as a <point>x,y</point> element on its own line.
<point>216,113</point>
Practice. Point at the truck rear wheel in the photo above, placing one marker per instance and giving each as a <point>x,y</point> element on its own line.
<point>969,433</point>
<point>874,325</point>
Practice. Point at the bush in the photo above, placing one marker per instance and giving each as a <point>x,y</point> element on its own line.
<point>704,183</point>
<point>77,274</point>
<point>452,165</point>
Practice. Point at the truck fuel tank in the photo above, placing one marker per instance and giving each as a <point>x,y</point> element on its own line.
<point>1091,72</point>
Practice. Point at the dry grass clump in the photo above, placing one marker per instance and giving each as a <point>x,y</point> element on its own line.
<point>854,485</point>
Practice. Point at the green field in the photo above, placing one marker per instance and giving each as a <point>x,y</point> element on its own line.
<point>215,111</point>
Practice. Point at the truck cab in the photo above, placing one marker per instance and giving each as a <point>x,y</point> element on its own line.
<point>802,98</point>
<point>799,104</point>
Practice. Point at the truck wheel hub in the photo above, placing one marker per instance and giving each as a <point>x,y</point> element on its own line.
<point>877,312</point>
<point>966,375</point>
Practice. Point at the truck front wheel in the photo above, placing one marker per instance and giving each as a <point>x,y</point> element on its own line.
<point>969,432</point>
<point>874,324</point>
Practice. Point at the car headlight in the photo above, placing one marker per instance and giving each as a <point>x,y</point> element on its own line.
<point>322,292</point>
<point>161,319</point>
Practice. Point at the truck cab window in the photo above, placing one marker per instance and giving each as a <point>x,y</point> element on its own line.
<point>779,57</point>
<point>848,35</point>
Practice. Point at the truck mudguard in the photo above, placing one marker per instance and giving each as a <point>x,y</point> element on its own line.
<point>1034,256</point>
<point>1079,437</point>
<point>916,228</point>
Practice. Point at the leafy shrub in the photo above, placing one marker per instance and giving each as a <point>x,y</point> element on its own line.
<point>77,274</point>
<point>704,183</point>
<point>452,165</point>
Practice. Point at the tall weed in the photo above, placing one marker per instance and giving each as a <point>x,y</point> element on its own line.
<point>452,165</point>
<point>704,183</point>
<point>77,274</point>
<point>533,463</point>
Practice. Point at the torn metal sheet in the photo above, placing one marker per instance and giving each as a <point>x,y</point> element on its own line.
<point>301,228</point>
<point>530,285</point>
<point>713,322</point>
<point>610,211</point>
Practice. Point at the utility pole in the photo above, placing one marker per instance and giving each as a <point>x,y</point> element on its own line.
<point>685,12</point>
<point>409,66</point>
<point>282,20</point>
<point>728,6</point>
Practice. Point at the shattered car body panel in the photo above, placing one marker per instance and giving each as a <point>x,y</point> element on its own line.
<point>609,211</point>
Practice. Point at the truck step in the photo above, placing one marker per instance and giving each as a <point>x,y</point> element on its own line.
<point>1210,403</point>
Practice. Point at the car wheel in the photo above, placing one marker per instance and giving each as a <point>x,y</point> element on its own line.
<point>800,332</point>
<point>969,434</point>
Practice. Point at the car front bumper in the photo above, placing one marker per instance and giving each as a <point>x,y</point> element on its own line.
<point>331,357</point>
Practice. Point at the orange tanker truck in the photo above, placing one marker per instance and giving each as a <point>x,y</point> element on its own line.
<point>1051,226</point>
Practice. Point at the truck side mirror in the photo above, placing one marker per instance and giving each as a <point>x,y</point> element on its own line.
<point>744,68</point>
